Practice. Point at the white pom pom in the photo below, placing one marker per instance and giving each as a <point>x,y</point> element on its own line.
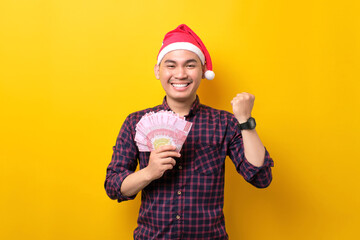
<point>209,75</point>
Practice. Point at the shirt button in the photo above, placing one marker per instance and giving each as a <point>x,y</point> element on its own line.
<point>180,167</point>
<point>179,192</point>
<point>178,217</point>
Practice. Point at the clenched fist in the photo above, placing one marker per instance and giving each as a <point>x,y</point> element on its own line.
<point>242,106</point>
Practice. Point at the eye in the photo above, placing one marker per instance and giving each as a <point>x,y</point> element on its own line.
<point>170,66</point>
<point>191,66</point>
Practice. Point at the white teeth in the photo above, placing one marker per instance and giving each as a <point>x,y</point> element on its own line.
<point>179,85</point>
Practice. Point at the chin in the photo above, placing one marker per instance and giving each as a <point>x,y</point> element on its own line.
<point>182,98</point>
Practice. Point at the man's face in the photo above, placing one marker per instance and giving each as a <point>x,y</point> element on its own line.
<point>180,73</point>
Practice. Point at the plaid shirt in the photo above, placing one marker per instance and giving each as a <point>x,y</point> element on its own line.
<point>187,202</point>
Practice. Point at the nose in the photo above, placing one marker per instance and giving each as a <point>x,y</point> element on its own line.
<point>180,73</point>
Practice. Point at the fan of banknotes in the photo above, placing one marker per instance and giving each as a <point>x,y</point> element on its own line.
<point>161,128</point>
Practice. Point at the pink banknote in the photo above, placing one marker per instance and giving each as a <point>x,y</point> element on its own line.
<point>161,128</point>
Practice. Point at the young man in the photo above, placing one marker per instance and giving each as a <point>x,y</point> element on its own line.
<point>183,193</point>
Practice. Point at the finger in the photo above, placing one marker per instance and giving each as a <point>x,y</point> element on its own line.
<point>168,167</point>
<point>165,148</point>
<point>169,161</point>
<point>169,154</point>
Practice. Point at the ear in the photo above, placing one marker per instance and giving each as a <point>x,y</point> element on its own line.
<point>156,71</point>
<point>204,69</point>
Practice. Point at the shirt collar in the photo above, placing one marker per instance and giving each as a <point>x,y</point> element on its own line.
<point>193,110</point>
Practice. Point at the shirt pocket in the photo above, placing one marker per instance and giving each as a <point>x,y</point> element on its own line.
<point>208,160</point>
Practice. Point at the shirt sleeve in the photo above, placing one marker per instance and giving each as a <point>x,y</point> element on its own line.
<point>260,177</point>
<point>123,162</point>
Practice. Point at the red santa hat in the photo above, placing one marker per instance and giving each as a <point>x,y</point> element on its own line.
<point>184,38</point>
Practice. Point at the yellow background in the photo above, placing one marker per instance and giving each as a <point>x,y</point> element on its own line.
<point>71,71</point>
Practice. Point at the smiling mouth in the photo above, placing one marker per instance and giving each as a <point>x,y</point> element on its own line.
<point>180,85</point>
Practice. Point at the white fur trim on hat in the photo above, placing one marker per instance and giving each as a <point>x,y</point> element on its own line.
<point>181,45</point>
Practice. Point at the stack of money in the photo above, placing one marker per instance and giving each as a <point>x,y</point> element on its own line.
<point>161,128</point>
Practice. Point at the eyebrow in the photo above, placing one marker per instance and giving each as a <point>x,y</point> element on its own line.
<point>187,61</point>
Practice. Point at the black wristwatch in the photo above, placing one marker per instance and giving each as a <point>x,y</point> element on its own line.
<point>248,125</point>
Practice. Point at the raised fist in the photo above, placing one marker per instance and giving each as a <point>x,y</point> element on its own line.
<point>242,106</point>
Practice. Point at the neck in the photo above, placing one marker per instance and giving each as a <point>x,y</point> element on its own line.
<point>180,107</point>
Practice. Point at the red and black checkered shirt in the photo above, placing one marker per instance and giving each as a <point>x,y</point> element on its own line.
<point>187,202</point>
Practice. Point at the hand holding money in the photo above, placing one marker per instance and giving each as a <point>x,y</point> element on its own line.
<point>242,106</point>
<point>161,160</point>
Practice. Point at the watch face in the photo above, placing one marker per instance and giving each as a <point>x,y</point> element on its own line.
<point>252,123</point>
